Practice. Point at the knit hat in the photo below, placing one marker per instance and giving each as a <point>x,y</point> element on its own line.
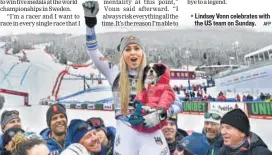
<point>174,119</point>
<point>125,41</point>
<point>77,129</point>
<point>213,116</point>
<point>238,119</point>
<point>8,116</point>
<point>10,133</point>
<point>196,144</point>
<point>53,110</point>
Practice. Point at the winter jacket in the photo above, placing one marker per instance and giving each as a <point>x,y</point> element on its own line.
<point>5,152</point>
<point>179,135</point>
<point>54,147</point>
<point>110,132</point>
<point>159,96</point>
<point>253,145</point>
<point>216,144</point>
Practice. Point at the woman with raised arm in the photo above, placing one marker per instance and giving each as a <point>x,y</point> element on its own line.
<point>126,82</point>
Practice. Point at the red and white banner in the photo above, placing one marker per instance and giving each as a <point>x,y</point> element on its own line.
<point>18,93</point>
<point>225,107</point>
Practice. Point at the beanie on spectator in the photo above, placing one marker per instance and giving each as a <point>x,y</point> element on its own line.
<point>8,116</point>
<point>174,119</point>
<point>196,144</point>
<point>78,129</point>
<point>238,119</point>
<point>53,110</point>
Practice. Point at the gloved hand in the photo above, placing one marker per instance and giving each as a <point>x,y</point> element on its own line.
<point>154,117</point>
<point>136,118</point>
<point>91,8</point>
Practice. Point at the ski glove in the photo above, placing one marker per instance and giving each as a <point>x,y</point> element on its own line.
<point>154,116</point>
<point>136,118</point>
<point>91,8</point>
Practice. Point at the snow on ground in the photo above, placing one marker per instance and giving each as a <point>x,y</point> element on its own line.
<point>37,115</point>
<point>39,82</point>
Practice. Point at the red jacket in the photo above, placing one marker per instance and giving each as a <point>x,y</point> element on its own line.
<point>159,96</point>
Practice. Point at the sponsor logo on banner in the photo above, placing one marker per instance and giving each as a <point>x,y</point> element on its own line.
<point>78,106</point>
<point>225,107</point>
<point>91,106</point>
<point>68,106</point>
<point>259,110</point>
<point>198,108</point>
<point>107,106</point>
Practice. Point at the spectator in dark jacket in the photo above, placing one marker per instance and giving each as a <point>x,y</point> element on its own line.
<point>55,135</point>
<point>262,96</point>
<point>172,134</point>
<point>211,130</point>
<point>238,139</point>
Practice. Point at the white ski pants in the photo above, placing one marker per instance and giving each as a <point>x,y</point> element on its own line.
<point>131,142</point>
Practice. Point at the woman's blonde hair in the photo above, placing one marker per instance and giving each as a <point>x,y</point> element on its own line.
<point>124,85</point>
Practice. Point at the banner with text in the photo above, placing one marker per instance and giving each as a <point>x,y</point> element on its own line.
<point>225,107</point>
<point>198,108</point>
<point>259,110</point>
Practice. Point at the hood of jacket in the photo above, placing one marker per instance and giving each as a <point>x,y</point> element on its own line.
<point>165,77</point>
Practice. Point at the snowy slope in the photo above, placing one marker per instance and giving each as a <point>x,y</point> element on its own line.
<point>39,82</point>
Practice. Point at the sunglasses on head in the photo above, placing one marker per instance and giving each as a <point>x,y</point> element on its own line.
<point>96,122</point>
<point>12,112</point>
<point>212,115</point>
